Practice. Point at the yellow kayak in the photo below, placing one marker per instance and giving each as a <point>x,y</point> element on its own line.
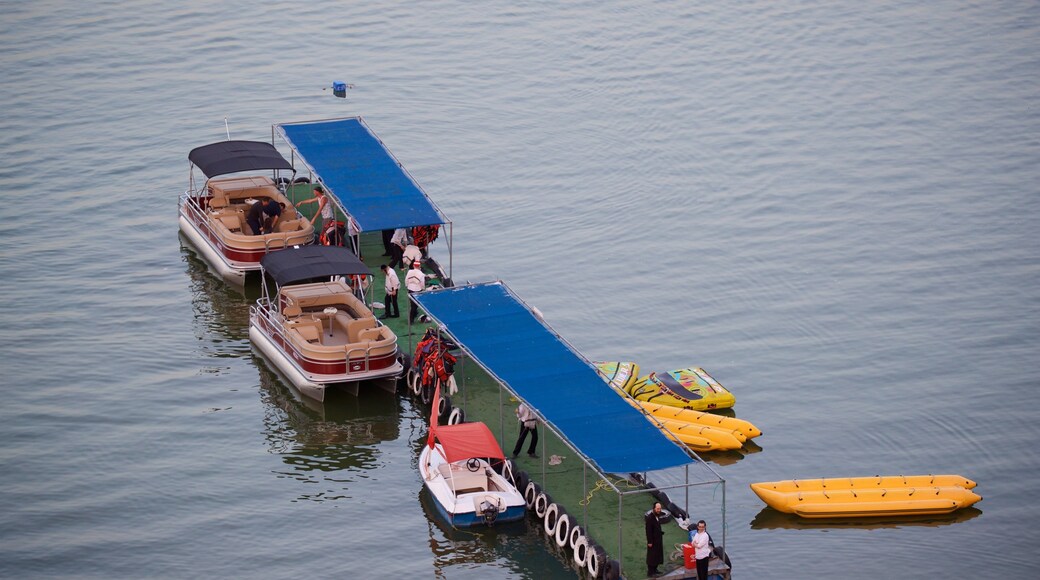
<point>691,388</point>
<point>863,497</point>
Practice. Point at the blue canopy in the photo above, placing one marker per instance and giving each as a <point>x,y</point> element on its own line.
<point>361,174</point>
<point>533,362</point>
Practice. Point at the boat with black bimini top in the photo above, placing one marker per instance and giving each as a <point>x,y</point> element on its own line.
<point>315,329</point>
<point>213,212</point>
<point>456,465</point>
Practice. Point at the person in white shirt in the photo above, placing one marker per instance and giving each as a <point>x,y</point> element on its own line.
<point>398,243</point>
<point>528,424</point>
<point>701,549</point>
<point>415,281</point>
<point>393,284</point>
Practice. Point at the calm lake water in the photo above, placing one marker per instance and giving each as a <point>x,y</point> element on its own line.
<point>831,207</point>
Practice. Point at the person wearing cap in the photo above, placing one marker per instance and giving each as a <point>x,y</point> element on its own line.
<point>415,281</point>
<point>263,217</point>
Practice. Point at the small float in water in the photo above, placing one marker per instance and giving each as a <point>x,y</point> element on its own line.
<point>213,212</point>
<point>843,497</point>
<point>456,468</point>
<point>699,430</point>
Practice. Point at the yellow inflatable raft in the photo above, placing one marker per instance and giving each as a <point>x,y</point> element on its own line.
<point>691,388</point>
<point>869,496</point>
<point>700,431</point>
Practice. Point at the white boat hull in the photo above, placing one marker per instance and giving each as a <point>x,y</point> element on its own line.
<point>463,496</point>
<point>233,274</point>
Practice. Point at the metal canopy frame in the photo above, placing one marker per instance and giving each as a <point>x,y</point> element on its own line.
<point>586,461</point>
<point>277,131</point>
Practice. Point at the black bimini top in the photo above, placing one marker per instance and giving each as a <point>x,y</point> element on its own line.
<point>310,262</point>
<point>234,156</point>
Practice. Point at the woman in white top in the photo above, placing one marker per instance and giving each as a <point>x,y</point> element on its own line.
<point>701,549</point>
<point>324,208</point>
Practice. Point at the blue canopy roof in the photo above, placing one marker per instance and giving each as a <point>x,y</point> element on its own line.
<point>361,174</point>
<point>502,334</point>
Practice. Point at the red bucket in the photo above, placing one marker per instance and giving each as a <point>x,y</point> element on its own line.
<point>689,560</point>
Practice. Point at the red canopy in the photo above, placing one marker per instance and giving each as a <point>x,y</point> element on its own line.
<point>467,440</point>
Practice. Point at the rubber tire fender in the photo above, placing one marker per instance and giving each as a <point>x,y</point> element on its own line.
<point>521,480</point>
<point>427,394</point>
<point>541,504</point>
<point>612,571</point>
<point>531,493</point>
<point>551,519</point>
<point>563,528</point>
<point>676,511</point>
<point>596,560</point>
<point>572,537</point>
<point>444,410</point>
<point>414,383</point>
<point>455,417</point>
<point>581,551</point>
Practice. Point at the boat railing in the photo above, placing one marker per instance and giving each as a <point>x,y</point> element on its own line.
<point>193,208</point>
<point>363,361</point>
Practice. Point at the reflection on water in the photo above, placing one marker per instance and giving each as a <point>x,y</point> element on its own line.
<point>519,547</point>
<point>732,456</point>
<point>330,443</point>
<point>221,313</point>
<point>771,519</point>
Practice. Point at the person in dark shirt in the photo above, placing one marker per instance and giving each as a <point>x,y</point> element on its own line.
<point>654,541</point>
<point>263,217</point>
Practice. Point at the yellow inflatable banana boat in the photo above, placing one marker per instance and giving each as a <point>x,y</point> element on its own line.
<point>876,482</point>
<point>746,428</point>
<point>862,497</point>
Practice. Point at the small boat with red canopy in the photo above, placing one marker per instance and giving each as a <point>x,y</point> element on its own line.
<point>457,467</point>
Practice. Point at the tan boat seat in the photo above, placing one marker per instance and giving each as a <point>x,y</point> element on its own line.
<point>292,311</point>
<point>354,328</point>
<point>232,223</point>
<point>218,202</point>
<point>372,334</point>
<point>308,332</point>
<point>289,225</point>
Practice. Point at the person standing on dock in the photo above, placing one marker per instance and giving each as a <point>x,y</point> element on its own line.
<point>701,550</point>
<point>393,284</point>
<point>415,281</point>
<point>654,541</point>
<point>398,243</point>
<point>324,210</point>
<point>528,424</point>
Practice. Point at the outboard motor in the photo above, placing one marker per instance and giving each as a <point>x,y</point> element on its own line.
<point>489,511</point>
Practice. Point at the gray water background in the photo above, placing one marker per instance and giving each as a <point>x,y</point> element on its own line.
<point>832,207</point>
